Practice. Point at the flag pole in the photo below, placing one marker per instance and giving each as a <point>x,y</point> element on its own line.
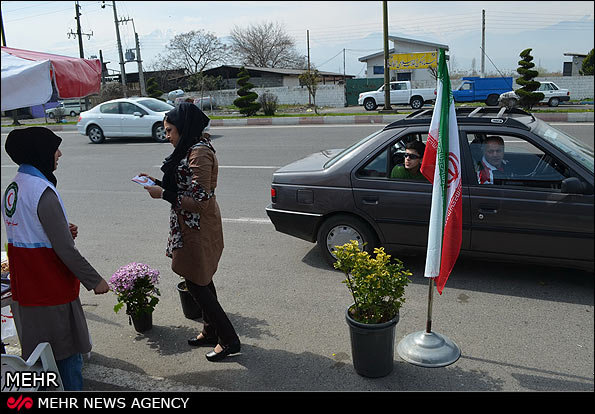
<point>427,348</point>
<point>430,298</point>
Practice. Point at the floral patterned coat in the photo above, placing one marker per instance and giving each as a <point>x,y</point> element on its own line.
<point>195,240</point>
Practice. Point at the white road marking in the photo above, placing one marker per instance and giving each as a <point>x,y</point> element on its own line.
<point>247,220</point>
<point>246,167</point>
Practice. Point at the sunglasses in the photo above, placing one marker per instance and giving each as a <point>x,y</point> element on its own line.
<point>412,156</point>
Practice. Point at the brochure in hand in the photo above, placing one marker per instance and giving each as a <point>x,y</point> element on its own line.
<point>143,180</point>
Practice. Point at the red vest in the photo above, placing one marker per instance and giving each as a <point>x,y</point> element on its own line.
<point>37,275</point>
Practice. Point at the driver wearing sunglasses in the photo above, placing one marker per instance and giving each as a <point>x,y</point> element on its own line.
<point>414,153</point>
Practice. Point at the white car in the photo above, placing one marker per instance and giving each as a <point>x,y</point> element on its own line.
<point>125,117</point>
<point>553,95</point>
<point>72,108</point>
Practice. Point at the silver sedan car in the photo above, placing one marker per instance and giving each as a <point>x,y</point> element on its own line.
<point>125,117</point>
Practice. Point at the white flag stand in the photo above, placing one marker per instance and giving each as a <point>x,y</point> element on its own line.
<point>427,348</point>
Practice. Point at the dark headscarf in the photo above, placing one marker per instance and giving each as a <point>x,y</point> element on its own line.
<point>190,122</point>
<point>35,146</point>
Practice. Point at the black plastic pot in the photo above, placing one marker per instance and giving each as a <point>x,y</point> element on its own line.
<point>142,322</point>
<point>372,346</point>
<point>190,308</point>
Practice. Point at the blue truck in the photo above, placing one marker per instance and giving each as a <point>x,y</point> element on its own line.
<point>488,90</point>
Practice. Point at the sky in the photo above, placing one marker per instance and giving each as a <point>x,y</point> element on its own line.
<point>337,29</point>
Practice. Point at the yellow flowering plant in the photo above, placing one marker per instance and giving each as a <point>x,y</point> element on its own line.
<point>376,284</point>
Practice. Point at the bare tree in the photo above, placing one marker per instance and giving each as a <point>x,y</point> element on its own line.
<point>266,45</point>
<point>195,51</point>
<point>310,79</point>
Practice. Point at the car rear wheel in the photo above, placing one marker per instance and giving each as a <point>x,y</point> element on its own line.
<point>554,102</point>
<point>72,113</point>
<point>370,104</point>
<point>417,102</point>
<point>51,115</point>
<point>95,134</point>
<point>341,229</point>
<point>159,133</point>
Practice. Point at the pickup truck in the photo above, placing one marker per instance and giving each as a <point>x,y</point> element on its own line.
<point>476,89</point>
<point>400,94</point>
<point>553,95</point>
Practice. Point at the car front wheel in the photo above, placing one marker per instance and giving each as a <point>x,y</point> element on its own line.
<point>341,229</point>
<point>370,104</point>
<point>159,133</point>
<point>95,134</point>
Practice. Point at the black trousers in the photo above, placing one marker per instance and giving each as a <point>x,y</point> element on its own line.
<point>215,320</point>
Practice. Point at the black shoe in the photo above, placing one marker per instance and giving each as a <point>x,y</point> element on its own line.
<point>204,341</point>
<point>232,348</point>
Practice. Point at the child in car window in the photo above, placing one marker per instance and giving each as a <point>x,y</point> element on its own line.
<point>414,152</point>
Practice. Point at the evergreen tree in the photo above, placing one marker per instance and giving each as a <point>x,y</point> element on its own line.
<point>587,67</point>
<point>247,100</point>
<point>527,95</point>
<point>153,88</point>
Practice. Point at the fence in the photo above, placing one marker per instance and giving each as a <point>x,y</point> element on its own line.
<point>580,87</point>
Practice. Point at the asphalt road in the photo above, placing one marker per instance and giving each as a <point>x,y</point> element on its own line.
<point>520,328</point>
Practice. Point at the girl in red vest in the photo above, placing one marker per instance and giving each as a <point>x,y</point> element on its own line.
<point>46,269</point>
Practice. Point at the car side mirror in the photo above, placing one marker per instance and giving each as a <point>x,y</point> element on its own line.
<point>572,185</point>
<point>138,114</point>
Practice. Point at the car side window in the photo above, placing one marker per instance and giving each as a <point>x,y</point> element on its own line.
<point>390,157</point>
<point>109,108</point>
<point>127,108</point>
<point>507,160</point>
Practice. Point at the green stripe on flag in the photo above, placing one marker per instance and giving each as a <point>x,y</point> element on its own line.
<point>443,141</point>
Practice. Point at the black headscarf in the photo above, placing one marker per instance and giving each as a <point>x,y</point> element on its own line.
<point>35,146</point>
<point>190,122</point>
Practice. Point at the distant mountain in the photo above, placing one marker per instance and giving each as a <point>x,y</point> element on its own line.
<point>549,46</point>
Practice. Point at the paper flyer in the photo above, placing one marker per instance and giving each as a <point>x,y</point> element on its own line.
<point>143,180</point>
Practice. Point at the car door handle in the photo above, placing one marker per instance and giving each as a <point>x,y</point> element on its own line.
<point>370,200</point>
<point>483,211</point>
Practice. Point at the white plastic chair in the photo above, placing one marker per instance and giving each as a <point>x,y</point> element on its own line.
<point>40,360</point>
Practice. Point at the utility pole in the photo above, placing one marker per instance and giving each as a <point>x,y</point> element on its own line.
<point>79,34</point>
<point>3,34</point>
<point>102,66</point>
<point>308,43</point>
<point>387,106</point>
<point>122,69</point>
<point>141,75</point>
<point>483,43</point>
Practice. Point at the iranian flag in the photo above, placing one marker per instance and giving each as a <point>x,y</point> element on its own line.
<point>442,167</point>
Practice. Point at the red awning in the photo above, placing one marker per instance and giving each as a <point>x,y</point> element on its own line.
<point>73,77</point>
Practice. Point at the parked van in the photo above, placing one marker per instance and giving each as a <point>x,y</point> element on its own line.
<point>70,107</point>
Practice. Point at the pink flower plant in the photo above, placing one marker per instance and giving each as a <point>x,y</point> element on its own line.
<point>134,284</point>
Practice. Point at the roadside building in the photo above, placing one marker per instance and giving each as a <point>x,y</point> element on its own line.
<point>270,77</point>
<point>375,61</point>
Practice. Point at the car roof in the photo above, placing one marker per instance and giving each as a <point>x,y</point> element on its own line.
<point>514,118</point>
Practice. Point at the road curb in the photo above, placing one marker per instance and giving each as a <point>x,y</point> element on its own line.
<point>337,120</point>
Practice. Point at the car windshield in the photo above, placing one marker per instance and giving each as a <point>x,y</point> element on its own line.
<point>566,143</point>
<point>350,149</point>
<point>156,105</point>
